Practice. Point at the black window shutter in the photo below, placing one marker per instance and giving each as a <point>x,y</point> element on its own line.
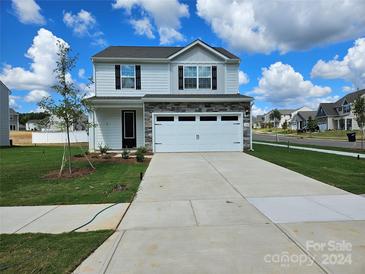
<point>214,77</point>
<point>181,77</point>
<point>138,77</point>
<point>117,76</point>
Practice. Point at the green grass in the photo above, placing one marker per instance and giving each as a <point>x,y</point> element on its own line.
<point>22,169</point>
<point>47,253</point>
<point>354,150</point>
<point>346,173</point>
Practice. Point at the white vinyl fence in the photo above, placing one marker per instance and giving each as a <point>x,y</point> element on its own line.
<point>59,137</point>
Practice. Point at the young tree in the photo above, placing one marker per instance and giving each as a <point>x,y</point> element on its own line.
<point>275,116</point>
<point>285,125</point>
<point>71,106</point>
<point>359,112</point>
<point>312,124</point>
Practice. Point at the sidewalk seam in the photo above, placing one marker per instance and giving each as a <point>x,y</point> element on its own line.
<point>36,219</point>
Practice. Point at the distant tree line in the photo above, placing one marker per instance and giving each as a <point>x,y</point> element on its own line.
<point>25,117</point>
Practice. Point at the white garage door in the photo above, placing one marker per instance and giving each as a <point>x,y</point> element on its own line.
<point>198,132</point>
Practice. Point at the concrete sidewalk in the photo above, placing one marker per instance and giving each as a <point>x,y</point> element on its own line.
<point>335,152</point>
<point>215,213</point>
<point>59,218</point>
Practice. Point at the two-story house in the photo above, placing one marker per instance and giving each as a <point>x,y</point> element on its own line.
<point>286,115</point>
<point>4,114</point>
<point>338,115</point>
<point>13,119</point>
<point>169,99</point>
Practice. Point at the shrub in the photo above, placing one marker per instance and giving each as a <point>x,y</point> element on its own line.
<point>125,153</point>
<point>103,149</point>
<point>141,151</point>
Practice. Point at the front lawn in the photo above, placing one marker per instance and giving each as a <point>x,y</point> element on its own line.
<point>22,170</point>
<point>346,173</point>
<point>47,253</point>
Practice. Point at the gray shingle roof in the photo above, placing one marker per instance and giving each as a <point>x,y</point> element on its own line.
<point>306,114</point>
<point>328,108</point>
<point>350,98</point>
<point>149,52</point>
<point>286,111</point>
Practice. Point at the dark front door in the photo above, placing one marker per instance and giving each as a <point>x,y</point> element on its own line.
<point>129,128</point>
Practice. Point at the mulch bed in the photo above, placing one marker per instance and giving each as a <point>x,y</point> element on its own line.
<point>110,158</point>
<point>76,172</point>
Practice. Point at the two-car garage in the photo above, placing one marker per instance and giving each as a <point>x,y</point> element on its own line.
<point>191,132</point>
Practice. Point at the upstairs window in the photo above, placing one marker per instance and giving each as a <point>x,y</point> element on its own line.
<point>128,76</point>
<point>197,77</point>
<point>205,77</point>
<point>190,74</point>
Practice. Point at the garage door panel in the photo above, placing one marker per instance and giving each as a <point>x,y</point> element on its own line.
<point>189,136</point>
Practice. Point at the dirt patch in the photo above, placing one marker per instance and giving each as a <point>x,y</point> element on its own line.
<point>21,137</point>
<point>76,172</point>
<point>119,188</point>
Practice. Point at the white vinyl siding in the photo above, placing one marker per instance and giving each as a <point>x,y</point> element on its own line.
<point>4,115</point>
<point>232,85</point>
<point>154,79</point>
<point>108,129</point>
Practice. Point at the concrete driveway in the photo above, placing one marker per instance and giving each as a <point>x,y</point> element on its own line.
<point>233,213</point>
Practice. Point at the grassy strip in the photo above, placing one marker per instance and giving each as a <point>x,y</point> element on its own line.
<point>354,150</point>
<point>329,134</point>
<point>47,253</point>
<point>343,172</point>
<point>22,183</point>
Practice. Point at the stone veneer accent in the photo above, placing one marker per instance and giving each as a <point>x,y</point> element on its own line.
<point>150,108</point>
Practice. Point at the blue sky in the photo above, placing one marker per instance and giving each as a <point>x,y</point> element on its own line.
<point>280,55</point>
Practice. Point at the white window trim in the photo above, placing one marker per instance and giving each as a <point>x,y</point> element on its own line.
<point>197,77</point>
<point>121,76</point>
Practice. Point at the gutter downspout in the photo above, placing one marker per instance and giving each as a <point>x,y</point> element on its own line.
<point>251,105</point>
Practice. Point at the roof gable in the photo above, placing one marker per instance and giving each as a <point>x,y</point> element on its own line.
<point>201,44</point>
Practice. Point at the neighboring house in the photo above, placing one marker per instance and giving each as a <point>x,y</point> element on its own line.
<point>53,123</point>
<point>258,121</point>
<point>286,115</point>
<point>4,115</point>
<point>338,115</point>
<point>169,99</point>
<point>300,119</point>
<point>13,119</point>
<point>33,125</point>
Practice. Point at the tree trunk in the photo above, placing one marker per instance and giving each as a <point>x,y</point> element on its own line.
<point>362,139</point>
<point>69,147</point>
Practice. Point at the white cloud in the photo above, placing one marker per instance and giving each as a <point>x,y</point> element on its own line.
<point>84,24</point>
<point>43,54</point>
<point>87,90</point>
<point>81,73</point>
<point>36,96</point>
<point>351,68</point>
<point>243,78</point>
<point>143,27</point>
<point>281,85</point>
<point>166,16</point>
<point>266,26</point>
<point>169,36</point>
<point>81,23</point>
<point>28,12</point>
<point>13,102</point>
<point>259,111</point>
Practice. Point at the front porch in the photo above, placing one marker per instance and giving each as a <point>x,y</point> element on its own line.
<point>116,124</point>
